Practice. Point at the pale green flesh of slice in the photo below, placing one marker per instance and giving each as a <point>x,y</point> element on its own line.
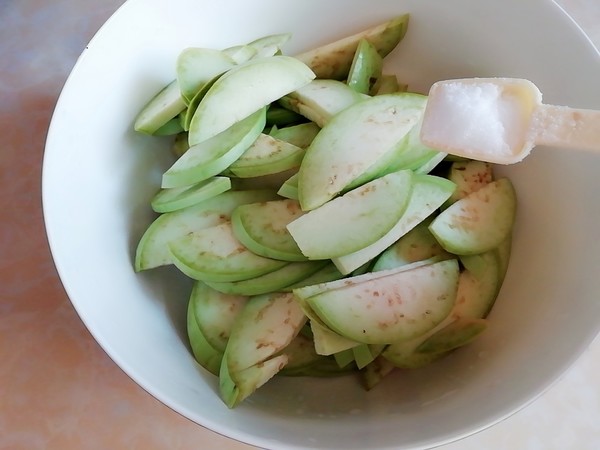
<point>320,100</point>
<point>478,222</point>
<point>197,66</point>
<point>215,313</point>
<point>353,141</point>
<point>266,324</point>
<point>153,248</point>
<point>416,245</point>
<point>355,220</point>
<point>391,308</point>
<point>262,227</point>
<point>214,254</point>
<point>469,176</point>
<point>267,155</point>
<point>163,107</point>
<point>428,194</point>
<point>243,90</point>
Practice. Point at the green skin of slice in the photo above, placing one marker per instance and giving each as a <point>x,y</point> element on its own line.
<point>214,254</point>
<point>365,354</point>
<point>304,292</point>
<point>180,145</point>
<point>478,285</point>
<point>388,84</point>
<point>327,273</point>
<point>281,117</point>
<point>271,282</point>
<point>262,227</point>
<point>457,334</point>
<point>326,367</point>
<point>153,248</point>
<point>169,200</point>
<point>267,155</point>
<point>265,326</point>
<point>289,188</point>
<point>333,60</point>
<point>503,251</point>
<point>170,128</point>
<point>355,220</point>
<point>366,68</point>
<point>345,357</point>
<point>391,308</point>
<point>215,313</point>
<point>206,355</point>
<point>195,101</point>
<point>478,222</point>
<point>235,95</point>
<point>211,157</point>
<point>234,388</point>
<point>272,181</point>
<point>299,135</point>
<point>228,391</point>
<point>409,359</point>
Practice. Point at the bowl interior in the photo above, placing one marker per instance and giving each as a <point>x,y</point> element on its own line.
<point>99,177</point>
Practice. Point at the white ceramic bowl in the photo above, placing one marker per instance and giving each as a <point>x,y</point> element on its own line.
<point>99,177</point>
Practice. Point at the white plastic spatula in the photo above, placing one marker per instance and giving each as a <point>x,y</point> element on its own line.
<point>500,120</point>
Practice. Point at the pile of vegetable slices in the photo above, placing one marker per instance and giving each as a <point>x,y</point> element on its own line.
<point>323,237</point>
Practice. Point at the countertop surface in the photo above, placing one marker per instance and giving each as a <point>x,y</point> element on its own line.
<point>58,389</point>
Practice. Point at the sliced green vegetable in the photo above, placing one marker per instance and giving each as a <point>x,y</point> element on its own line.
<point>366,68</point>
<point>214,254</point>
<point>163,107</point>
<point>262,227</point>
<point>197,66</point>
<point>168,200</point>
<point>153,248</point>
<point>234,96</point>
<point>333,60</point>
<point>211,157</point>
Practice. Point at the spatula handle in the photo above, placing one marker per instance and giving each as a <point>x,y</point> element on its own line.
<point>562,126</point>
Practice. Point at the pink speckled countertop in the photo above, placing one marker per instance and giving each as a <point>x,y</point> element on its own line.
<point>58,389</point>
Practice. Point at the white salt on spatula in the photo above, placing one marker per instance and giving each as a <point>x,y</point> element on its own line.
<point>500,120</point>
